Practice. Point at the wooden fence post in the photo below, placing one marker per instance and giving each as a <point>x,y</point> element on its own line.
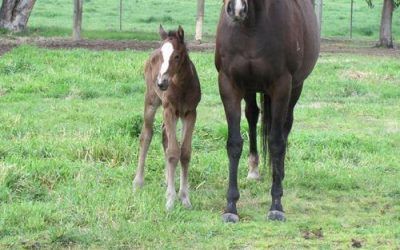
<point>351,18</point>
<point>77,20</point>
<point>200,20</point>
<point>319,6</point>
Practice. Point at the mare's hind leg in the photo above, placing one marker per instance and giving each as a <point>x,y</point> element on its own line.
<point>151,104</point>
<point>186,151</point>
<point>280,97</point>
<point>172,154</point>
<point>294,97</point>
<point>252,113</point>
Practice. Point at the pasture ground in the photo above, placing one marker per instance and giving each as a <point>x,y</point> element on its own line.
<point>69,126</point>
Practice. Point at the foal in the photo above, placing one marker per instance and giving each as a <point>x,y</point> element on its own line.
<point>172,82</point>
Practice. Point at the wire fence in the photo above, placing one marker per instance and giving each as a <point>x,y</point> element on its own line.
<point>342,19</point>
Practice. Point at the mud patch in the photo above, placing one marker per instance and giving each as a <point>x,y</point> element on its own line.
<point>327,45</point>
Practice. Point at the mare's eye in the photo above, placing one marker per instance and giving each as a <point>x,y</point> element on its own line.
<point>177,57</point>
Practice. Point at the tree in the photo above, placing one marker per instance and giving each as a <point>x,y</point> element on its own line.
<point>199,20</point>
<point>385,34</point>
<point>14,14</point>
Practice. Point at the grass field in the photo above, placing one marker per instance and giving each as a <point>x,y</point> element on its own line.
<point>69,126</point>
<point>141,19</point>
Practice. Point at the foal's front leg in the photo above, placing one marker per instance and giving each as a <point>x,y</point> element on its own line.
<point>186,151</point>
<point>172,154</point>
<point>150,108</point>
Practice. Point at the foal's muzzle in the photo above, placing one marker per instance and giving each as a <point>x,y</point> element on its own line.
<point>163,83</point>
<point>237,9</point>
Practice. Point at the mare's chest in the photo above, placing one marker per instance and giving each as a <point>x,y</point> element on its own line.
<point>256,60</point>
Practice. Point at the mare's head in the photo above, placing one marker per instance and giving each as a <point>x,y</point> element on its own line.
<point>236,9</point>
<point>173,56</point>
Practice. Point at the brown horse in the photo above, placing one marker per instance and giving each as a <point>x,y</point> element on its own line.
<point>267,47</point>
<point>172,82</point>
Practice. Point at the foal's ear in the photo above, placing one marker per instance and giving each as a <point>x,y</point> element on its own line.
<point>163,33</point>
<point>181,34</point>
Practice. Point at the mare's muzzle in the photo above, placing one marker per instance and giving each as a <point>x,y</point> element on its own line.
<point>237,9</point>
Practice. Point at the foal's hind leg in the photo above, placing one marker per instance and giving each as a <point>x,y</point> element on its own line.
<point>252,112</point>
<point>151,104</point>
<point>172,154</point>
<point>186,151</point>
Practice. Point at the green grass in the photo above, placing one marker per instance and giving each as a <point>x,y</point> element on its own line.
<point>69,126</point>
<point>141,19</point>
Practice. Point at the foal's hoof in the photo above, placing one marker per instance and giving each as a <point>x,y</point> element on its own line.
<point>230,218</point>
<point>137,185</point>
<point>276,215</point>
<point>186,203</point>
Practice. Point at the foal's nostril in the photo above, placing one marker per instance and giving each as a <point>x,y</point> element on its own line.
<point>230,9</point>
<point>244,10</point>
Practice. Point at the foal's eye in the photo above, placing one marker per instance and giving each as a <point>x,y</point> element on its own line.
<point>177,57</point>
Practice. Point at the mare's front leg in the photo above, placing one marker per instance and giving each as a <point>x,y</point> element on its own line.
<point>152,102</point>
<point>252,113</point>
<point>277,142</point>
<point>186,150</point>
<point>172,153</point>
<point>231,98</point>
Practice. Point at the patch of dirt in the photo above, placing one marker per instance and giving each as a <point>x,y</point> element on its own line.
<point>356,47</point>
<point>313,234</point>
<point>356,75</point>
<point>327,46</point>
<point>5,48</point>
<point>356,243</point>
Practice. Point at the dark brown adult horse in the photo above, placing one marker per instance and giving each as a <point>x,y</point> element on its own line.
<point>270,47</point>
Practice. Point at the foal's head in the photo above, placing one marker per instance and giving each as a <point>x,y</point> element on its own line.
<point>236,9</point>
<point>173,56</point>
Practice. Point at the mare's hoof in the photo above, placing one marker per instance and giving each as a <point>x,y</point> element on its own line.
<point>253,176</point>
<point>276,215</point>
<point>232,218</point>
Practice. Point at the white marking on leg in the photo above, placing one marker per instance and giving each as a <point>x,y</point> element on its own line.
<point>253,174</point>
<point>167,49</point>
<point>238,7</point>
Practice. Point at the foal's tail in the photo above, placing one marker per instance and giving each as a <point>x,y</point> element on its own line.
<point>265,126</point>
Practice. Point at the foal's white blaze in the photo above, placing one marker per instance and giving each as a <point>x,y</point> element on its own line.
<point>166,50</point>
<point>238,7</point>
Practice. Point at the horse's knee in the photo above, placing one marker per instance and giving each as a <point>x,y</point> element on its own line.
<point>185,157</point>
<point>172,156</point>
<point>234,147</point>
<point>277,145</point>
<point>146,134</point>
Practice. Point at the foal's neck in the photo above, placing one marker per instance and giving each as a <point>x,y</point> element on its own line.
<point>185,73</point>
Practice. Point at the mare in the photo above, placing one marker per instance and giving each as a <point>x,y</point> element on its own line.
<point>268,47</point>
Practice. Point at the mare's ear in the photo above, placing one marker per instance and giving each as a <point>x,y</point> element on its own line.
<point>163,33</point>
<point>181,34</point>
